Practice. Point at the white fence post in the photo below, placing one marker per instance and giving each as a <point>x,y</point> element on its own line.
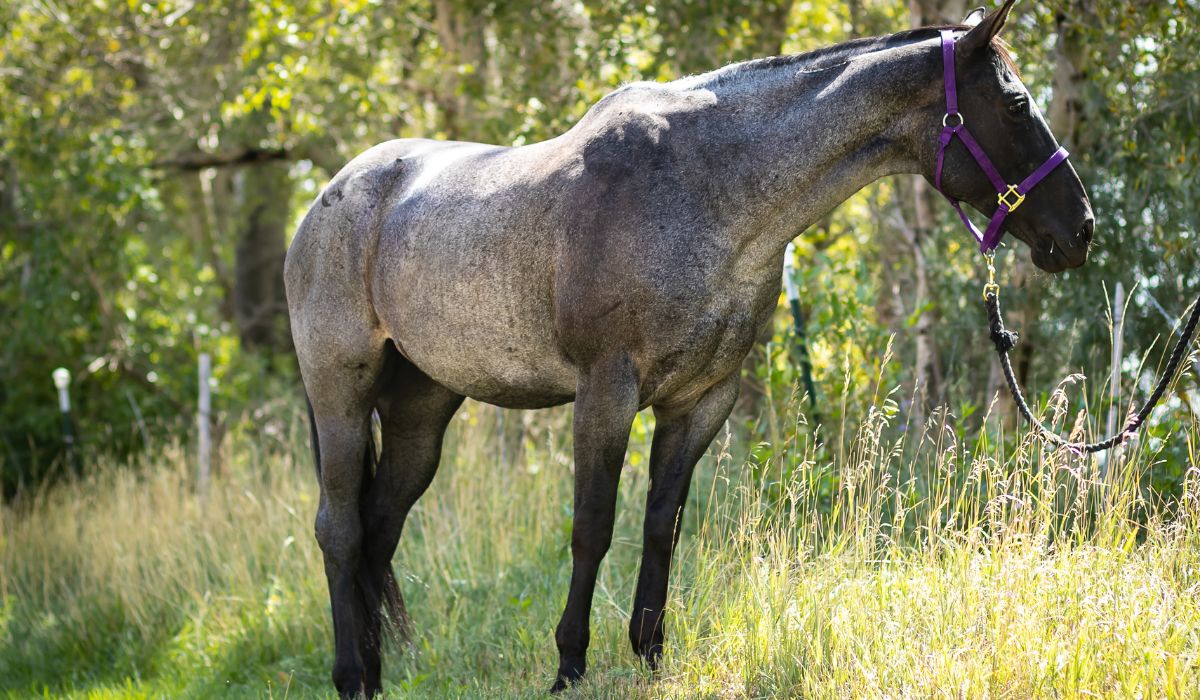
<point>789,273</point>
<point>62,382</point>
<point>205,437</point>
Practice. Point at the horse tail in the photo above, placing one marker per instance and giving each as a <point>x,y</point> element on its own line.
<point>370,459</point>
<point>371,451</point>
<point>314,439</point>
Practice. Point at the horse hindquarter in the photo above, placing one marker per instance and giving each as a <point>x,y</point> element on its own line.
<point>343,360</point>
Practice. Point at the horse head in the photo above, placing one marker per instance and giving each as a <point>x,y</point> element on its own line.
<point>1055,217</point>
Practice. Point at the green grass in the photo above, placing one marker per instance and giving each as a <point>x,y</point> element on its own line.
<point>925,569</point>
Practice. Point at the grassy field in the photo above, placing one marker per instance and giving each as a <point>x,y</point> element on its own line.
<point>927,569</point>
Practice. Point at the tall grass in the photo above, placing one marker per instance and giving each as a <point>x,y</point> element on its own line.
<point>912,564</point>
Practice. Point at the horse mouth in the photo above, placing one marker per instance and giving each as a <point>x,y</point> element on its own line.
<point>1054,259</point>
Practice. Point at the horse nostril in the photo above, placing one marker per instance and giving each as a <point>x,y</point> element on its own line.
<point>1089,227</point>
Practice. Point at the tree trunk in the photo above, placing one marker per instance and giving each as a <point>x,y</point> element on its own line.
<point>1070,51</point>
<point>460,31</point>
<point>931,12</point>
<point>915,222</point>
<point>198,211</point>
<point>771,29</point>
<point>262,196</point>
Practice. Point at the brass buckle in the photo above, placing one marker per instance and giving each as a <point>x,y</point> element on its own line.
<point>1012,190</point>
<point>991,287</point>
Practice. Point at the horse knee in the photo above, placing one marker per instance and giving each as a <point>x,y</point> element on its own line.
<point>660,528</point>
<point>590,544</point>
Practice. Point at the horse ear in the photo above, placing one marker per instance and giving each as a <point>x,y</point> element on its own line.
<point>982,34</point>
<point>974,17</point>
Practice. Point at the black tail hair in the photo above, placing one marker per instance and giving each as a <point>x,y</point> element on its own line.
<point>312,434</point>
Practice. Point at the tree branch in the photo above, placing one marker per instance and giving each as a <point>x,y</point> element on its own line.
<point>213,160</point>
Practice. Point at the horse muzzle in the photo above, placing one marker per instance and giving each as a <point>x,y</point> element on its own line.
<point>1056,253</point>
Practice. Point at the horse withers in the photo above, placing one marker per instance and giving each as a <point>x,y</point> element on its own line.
<point>628,263</point>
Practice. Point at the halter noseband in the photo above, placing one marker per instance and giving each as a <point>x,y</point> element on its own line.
<point>1008,197</point>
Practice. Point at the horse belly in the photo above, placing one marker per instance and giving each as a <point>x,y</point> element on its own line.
<point>489,362</point>
<point>471,306</point>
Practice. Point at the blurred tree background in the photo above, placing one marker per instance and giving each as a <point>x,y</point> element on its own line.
<point>156,155</point>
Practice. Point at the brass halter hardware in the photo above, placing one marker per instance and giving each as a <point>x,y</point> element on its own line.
<point>1002,198</point>
<point>991,287</point>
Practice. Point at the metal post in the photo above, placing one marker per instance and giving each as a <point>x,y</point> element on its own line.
<point>1114,381</point>
<point>62,382</point>
<point>205,437</point>
<point>793,296</point>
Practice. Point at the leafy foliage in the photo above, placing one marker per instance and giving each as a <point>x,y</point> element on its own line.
<point>137,137</point>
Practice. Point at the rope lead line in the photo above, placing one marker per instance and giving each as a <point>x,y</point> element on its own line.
<point>1005,340</point>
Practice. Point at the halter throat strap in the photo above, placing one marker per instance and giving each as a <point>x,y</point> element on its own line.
<point>1008,197</point>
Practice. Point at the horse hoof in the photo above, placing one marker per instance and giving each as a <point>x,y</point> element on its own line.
<point>652,658</point>
<point>349,683</point>
<point>565,680</point>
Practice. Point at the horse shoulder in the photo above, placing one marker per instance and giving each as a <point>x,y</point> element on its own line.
<point>638,241</point>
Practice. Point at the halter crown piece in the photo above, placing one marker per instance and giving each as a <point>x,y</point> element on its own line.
<point>1008,197</point>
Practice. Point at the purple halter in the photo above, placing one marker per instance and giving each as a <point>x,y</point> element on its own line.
<point>1009,197</point>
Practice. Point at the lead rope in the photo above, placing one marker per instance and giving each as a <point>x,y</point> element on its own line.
<point>1005,340</point>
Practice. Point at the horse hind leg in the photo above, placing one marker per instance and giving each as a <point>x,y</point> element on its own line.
<point>414,412</point>
<point>393,601</point>
<point>342,372</point>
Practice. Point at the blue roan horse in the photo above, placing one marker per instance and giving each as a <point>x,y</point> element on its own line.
<point>628,263</point>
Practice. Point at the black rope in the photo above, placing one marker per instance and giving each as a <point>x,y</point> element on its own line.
<point>1005,340</point>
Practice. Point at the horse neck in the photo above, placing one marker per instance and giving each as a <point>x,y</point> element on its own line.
<point>798,139</point>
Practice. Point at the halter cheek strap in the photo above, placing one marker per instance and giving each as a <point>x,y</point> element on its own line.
<point>1008,197</point>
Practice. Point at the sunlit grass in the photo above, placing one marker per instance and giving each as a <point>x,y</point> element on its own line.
<point>926,568</point>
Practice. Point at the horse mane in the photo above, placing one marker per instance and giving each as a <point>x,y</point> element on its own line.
<point>836,54</point>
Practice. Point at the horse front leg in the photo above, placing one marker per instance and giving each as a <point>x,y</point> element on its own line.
<point>606,402</point>
<point>680,439</point>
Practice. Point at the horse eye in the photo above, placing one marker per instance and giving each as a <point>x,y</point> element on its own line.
<point>1018,107</point>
